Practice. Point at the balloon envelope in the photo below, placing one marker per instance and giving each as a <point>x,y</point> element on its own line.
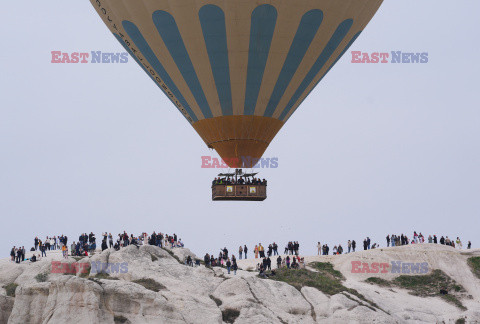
<point>237,69</point>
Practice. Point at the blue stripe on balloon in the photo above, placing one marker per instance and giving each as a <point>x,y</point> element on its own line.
<point>137,37</point>
<point>354,38</point>
<point>264,19</point>
<point>212,20</point>
<point>168,30</point>
<point>327,52</point>
<point>301,42</point>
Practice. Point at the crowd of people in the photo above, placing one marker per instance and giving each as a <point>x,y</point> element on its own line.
<point>397,240</point>
<point>223,260</point>
<point>291,260</point>
<point>392,240</point>
<point>86,244</point>
<point>17,254</point>
<point>241,180</point>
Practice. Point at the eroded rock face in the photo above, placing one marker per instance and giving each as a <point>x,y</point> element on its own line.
<point>6,306</point>
<point>184,294</point>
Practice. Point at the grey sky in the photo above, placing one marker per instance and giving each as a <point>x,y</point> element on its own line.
<point>375,149</point>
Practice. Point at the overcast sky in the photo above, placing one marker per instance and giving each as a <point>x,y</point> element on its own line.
<point>375,148</point>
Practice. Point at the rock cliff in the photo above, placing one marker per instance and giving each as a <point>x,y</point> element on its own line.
<point>154,286</point>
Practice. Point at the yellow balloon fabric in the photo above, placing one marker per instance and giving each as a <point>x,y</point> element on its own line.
<point>236,69</point>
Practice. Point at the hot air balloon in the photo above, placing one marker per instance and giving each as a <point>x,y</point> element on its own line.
<point>236,69</point>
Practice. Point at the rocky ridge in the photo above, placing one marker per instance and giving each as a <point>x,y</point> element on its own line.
<point>159,288</point>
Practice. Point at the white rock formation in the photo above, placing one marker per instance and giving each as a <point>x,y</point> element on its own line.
<point>200,295</point>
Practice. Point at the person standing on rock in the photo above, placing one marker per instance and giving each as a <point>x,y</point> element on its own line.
<point>225,253</point>
<point>19,255</point>
<point>349,245</point>
<point>42,249</point>
<point>469,246</point>
<point>65,251</point>
<point>206,259</point>
<point>270,250</point>
<point>104,244</point>
<point>255,250</point>
<point>36,243</point>
<point>279,262</point>
<point>47,243</point>
<point>229,264</point>
<point>275,248</point>
<point>354,245</point>
<point>240,251</point>
<point>245,249</point>
<point>287,261</point>
<point>261,250</point>
<point>459,243</point>
<point>12,254</point>
<point>235,268</point>
<point>388,240</point>
<point>319,248</point>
